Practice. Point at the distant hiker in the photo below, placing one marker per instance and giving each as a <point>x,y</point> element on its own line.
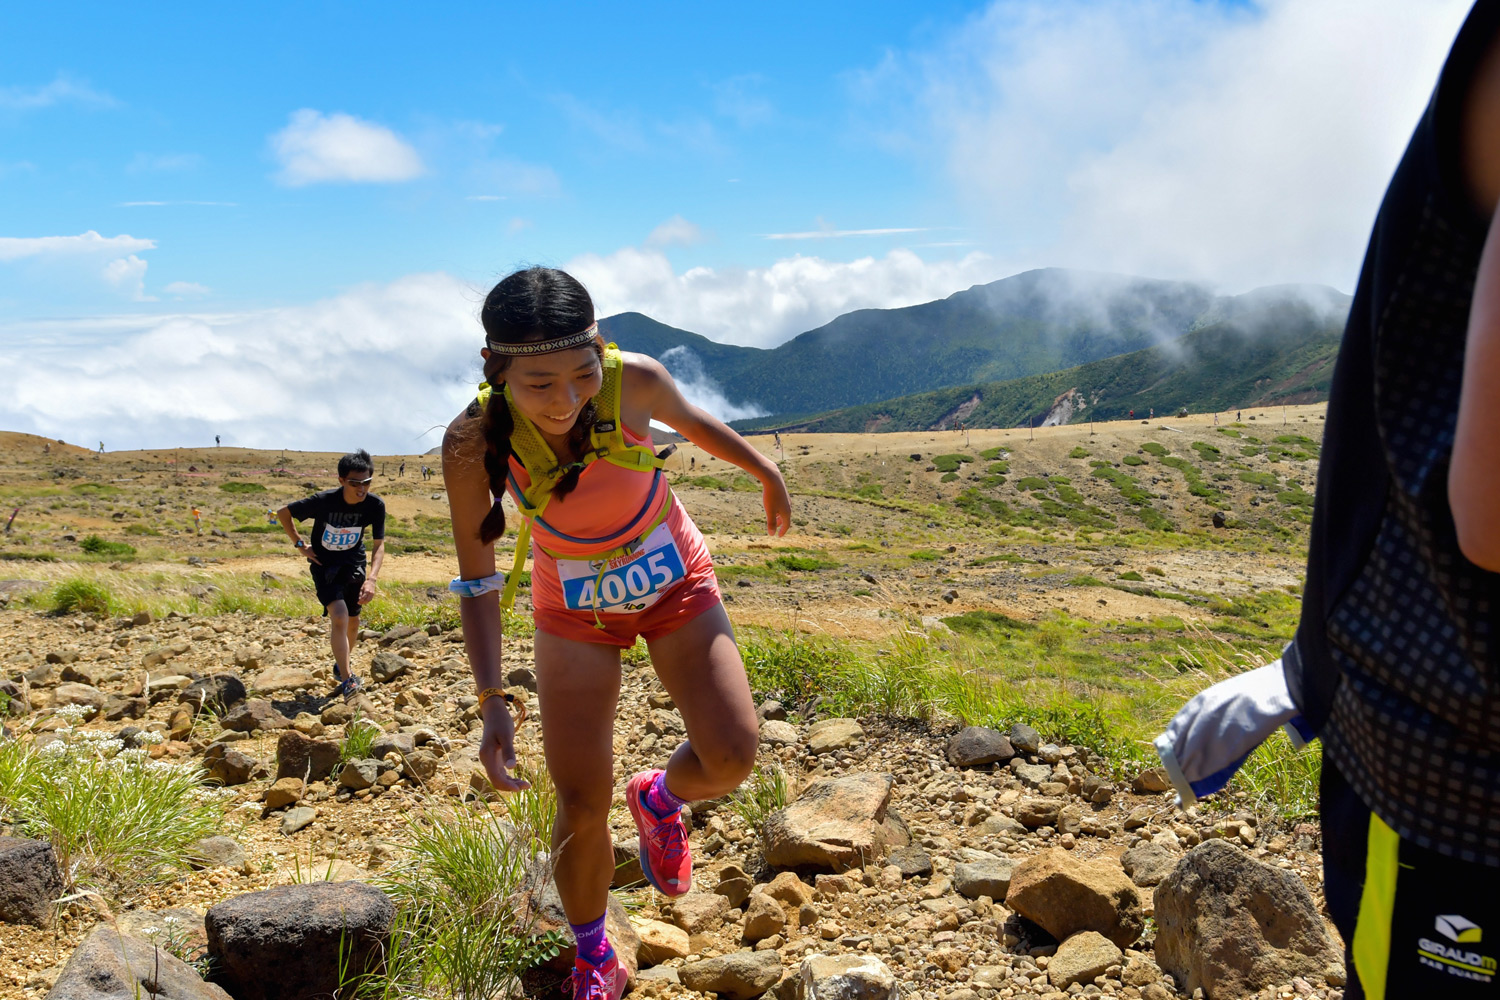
<point>1151,414</point>
<point>1132,414</point>
<point>197,521</point>
<point>1237,416</point>
<point>270,515</point>
<point>47,448</point>
<point>401,470</point>
<point>1216,420</point>
<point>1395,663</point>
<point>101,447</point>
<point>216,442</point>
<point>336,556</point>
<point>693,463</point>
<point>615,556</point>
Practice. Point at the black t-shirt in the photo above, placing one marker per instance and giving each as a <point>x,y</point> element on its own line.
<point>339,527</point>
<point>1396,661</point>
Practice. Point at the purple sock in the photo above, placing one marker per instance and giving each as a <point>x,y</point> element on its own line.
<point>593,945</point>
<point>660,800</point>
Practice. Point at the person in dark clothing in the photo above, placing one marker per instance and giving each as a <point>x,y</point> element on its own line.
<point>1395,664</point>
<point>336,555</point>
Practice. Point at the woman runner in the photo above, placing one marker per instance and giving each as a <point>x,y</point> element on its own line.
<point>615,556</point>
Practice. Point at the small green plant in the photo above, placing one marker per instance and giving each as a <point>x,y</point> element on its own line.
<point>458,931</point>
<point>1131,575</point>
<point>1026,483</point>
<point>242,487</point>
<point>94,545</point>
<point>766,791</point>
<point>1079,452</point>
<point>142,529</point>
<point>802,564</point>
<point>80,596</point>
<point>1133,460</point>
<point>359,737</point>
<point>1155,449</point>
<point>925,555</point>
<point>950,463</point>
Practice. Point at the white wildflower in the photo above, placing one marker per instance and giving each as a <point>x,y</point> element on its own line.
<point>149,739</point>
<point>75,712</point>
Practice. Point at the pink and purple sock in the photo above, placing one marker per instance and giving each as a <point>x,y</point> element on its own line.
<point>593,945</point>
<point>660,800</point>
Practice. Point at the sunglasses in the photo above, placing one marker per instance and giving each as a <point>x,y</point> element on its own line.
<point>361,482</point>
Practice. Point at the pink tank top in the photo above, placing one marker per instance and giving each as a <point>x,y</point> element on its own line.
<point>607,501</point>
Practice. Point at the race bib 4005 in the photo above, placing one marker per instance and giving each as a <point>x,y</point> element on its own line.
<point>340,539</point>
<point>630,583</point>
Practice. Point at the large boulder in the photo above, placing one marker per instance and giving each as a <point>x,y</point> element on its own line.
<point>987,877</point>
<point>740,975</point>
<point>297,756</point>
<point>698,912</point>
<point>1232,926</point>
<point>387,666</point>
<point>254,716</point>
<point>227,765</point>
<point>1065,895</point>
<point>1080,958</point>
<point>837,823</point>
<point>834,734</point>
<point>290,942</point>
<point>660,941</point>
<point>30,880</point>
<point>977,746</point>
<point>112,965</point>
<point>847,977</point>
<point>79,694</point>
<point>218,693</point>
<point>217,852</point>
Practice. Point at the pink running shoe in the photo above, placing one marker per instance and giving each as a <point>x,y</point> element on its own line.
<point>598,982</point>
<point>665,859</point>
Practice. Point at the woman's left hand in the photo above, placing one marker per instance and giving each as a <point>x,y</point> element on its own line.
<point>778,505</point>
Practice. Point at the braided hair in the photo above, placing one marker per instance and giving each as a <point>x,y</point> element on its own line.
<point>537,303</point>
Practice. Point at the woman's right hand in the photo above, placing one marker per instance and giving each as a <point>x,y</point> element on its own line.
<point>497,746</point>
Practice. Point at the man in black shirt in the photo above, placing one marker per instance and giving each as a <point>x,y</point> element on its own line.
<point>336,555</point>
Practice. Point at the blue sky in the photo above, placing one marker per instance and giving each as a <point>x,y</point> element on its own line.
<point>193,196</point>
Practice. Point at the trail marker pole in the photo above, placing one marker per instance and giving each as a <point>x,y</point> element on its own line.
<point>12,519</point>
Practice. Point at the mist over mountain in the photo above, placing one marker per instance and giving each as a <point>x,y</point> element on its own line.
<point>1277,348</point>
<point>1038,323</point>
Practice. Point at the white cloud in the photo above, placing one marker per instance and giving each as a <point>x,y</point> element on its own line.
<point>186,289</point>
<point>163,162</point>
<point>700,389</point>
<point>316,148</point>
<point>676,231</point>
<point>62,90</point>
<point>1242,144</point>
<point>764,306</point>
<point>88,243</point>
<point>836,234</point>
<point>376,367</point>
<point>128,274</point>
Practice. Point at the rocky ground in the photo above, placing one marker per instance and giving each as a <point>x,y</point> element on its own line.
<point>917,858</point>
<point>969,863</point>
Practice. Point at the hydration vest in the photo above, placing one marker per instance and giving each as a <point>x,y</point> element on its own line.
<point>607,443</point>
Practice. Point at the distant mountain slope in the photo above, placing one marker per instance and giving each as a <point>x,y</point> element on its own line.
<point>1034,322</point>
<point>1270,346</point>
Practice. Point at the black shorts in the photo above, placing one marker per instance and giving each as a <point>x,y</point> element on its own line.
<point>1415,923</point>
<point>339,582</point>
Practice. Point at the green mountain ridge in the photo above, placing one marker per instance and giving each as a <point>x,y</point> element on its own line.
<point>1030,324</point>
<point>1276,350</point>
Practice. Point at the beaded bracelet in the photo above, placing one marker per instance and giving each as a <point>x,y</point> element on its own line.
<point>510,699</point>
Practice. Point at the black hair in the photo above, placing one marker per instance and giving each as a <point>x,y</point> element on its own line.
<point>356,461</point>
<point>537,303</point>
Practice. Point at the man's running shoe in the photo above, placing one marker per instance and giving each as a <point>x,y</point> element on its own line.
<point>598,982</point>
<point>665,859</point>
<point>348,688</point>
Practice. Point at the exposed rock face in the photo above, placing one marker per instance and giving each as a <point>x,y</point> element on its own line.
<point>977,746</point>
<point>1066,895</point>
<point>839,823</point>
<point>216,852</point>
<point>1147,864</point>
<point>303,932</point>
<point>30,880</point>
<point>112,965</point>
<point>661,941</point>
<point>1232,926</point>
<point>697,912</point>
<point>847,977</point>
<point>740,975</point>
